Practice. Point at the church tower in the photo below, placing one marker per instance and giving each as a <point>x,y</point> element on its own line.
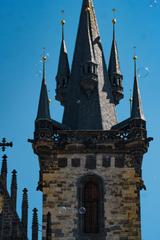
<point>90,165</point>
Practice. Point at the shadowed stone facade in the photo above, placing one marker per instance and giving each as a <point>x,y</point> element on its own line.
<point>90,165</point>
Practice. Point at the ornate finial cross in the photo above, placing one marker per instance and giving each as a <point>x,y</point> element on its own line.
<point>5,144</point>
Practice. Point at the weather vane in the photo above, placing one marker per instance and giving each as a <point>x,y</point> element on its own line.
<point>135,56</point>
<point>44,57</point>
<point>63,23</point>
<point>114,10</point>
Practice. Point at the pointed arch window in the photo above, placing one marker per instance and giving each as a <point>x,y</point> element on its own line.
<point>91,197</point>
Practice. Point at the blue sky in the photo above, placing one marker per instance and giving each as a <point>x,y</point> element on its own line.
<point>26,27</point>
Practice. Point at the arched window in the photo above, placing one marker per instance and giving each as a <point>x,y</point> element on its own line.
<point>91,205</point>
<point>91,198</point>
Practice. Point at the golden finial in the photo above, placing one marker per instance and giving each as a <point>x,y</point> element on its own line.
<point>44,57</point>
<point>63,23</point>
<point>135,56</point>
<point>114,21</point>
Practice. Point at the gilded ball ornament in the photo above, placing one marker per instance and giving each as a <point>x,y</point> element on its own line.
<point>114,21</point>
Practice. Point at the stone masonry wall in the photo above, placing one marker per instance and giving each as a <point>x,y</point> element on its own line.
<point>121,196</point>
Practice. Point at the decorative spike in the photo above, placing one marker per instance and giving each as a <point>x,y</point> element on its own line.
<point>14,189</point>
<point>4,170</point>
<point>43,108</point>
<point>25,212</point>
<point>63,73</point>
<point>49,227</point>
<point>35,225</point>
<point>137,111</point>
<point>114,71</point>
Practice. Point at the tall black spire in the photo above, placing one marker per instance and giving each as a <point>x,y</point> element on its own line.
<point>114,71</point>
<point>14,189</point>
<point>25,212</point>
<point>35,225</point>
<point>90,103</point>
<point>136,111</point>
<point>63,73</point>
<point>4,170</point>
<point>43,108</point>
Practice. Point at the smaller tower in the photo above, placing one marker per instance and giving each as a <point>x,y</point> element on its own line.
<point>63,73</point>
<point>14,189</point>
<point>114,71</point>
<point>4,171</point>
<point>25,213</point>
<point>35,225</point>
<point>43,123</point>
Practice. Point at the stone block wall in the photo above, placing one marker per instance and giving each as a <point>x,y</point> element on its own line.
<point>61,175</point>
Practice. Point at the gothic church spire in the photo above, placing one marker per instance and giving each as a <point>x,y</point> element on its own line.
<point>90,103</point>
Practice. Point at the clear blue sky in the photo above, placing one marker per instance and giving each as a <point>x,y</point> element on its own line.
<point>26,26</point>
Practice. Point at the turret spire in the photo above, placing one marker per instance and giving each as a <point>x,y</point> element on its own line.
<point>4,170</point>
<point>63,73</point>
<point>137,111</point>
<point>14,189</point>
<point>25,212</point>
<point>114,71</point>
<point>43,108</point>
<point>35,225</point>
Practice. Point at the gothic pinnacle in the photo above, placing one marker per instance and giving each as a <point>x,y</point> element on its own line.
<point>43,108</point>
<point>136,111</point>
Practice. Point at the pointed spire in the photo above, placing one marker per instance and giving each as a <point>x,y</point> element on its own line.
<point>63,73</point>
<point>89,103</point>
<point>35,225</point>
<point>14,189</point>
<point>137,111</point>
<point>43,108</point>
<point>49,227</point>
<point>114,64</point>
<point>25,212</point>
<point>4,170</point>
<point>114,70</point>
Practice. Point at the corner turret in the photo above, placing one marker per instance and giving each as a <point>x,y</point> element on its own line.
<point>63,74</point>
<point>114,71</point>
<point>43,123</point>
